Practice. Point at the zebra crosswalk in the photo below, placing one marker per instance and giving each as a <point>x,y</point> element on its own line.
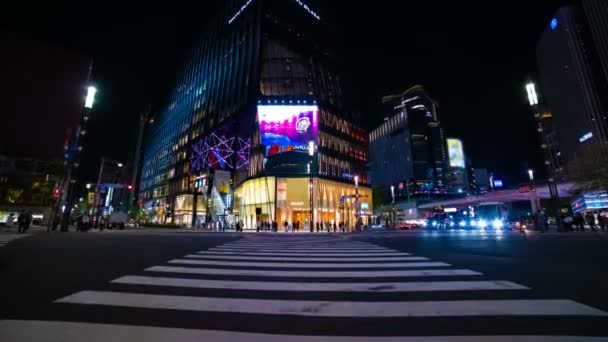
<point>297,288</point>
<point>5,239</point>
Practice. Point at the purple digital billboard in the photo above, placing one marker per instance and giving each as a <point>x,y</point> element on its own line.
<point>288,128</point>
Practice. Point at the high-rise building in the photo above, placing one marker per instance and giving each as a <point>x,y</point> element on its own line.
<point>260,86</point>
<point>409,145</point>
<point>573,62</point>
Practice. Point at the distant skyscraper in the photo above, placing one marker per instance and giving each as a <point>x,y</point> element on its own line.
<point>409,145</point>
<point>573,62</point>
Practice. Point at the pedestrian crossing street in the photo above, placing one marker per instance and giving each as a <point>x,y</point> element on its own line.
<point>5,239</point>
<point>305,288</point>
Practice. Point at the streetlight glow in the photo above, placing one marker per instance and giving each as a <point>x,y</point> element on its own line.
<point>532,96</point>
<point>90,97</point>
<point>311,148</point>
<point>531,174</point>
<point>356,180</point>
<point>120,165</point>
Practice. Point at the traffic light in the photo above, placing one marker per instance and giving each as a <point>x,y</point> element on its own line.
<point>130,187</point>
<point>56,193</point>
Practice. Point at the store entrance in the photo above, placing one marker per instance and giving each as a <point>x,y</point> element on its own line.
<point>301,217</point>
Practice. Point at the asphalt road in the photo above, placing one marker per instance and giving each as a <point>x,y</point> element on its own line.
<point>425,286</point>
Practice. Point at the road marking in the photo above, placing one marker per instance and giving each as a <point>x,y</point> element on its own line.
<point>342,245</point>
<point>431,286</point>
<point>300,250</point>
<point>39,331</point>
<point>5,239</point>
<point>307,265</point>
<point>318,254</point>
<point>544,307</point>
<point>282,258</point>
<point>314,274</point>
<point>307,248</point>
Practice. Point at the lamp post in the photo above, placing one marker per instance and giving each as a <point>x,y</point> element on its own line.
<point>393,201</point>
<point>73,161</point>
<point>311,154</point>
<point>551,164</point>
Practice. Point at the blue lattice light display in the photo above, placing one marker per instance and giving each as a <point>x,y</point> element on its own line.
<point>220,152</point>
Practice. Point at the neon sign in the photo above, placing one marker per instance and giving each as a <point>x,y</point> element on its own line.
<point>586,137</point>
<point>305,6</point>
<point>238,13</point>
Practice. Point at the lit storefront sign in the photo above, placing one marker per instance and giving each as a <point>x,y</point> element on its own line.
<point>591,201</point>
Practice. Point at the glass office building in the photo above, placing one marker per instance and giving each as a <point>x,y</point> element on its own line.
<point>409,148</point>
<point>233,142</point>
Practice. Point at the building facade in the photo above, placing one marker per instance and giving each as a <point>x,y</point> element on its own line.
<point>258,88</point>
<point>409,150</point>
<point>573,58</point>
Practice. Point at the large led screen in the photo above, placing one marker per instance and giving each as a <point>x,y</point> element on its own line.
<point>456,153</point>
<point>287,128</point>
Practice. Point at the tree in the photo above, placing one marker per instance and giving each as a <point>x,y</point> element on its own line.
<point>589,171</point>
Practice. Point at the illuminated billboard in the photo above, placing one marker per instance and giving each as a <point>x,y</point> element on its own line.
<point>456,153</point>
<point>287,128</point>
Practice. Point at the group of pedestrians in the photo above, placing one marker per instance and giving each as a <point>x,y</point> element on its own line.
<point>267,226</point>
<point>591,219</point>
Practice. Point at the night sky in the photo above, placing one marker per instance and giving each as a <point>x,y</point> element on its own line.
<point>473,57</point>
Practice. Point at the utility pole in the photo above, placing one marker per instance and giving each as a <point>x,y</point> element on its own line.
<point>143,120</point>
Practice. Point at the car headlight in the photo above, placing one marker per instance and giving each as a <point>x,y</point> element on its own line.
<point>434,223</point>
<point>462,223</point>
<point>498,224</point>
<point>482,223</point>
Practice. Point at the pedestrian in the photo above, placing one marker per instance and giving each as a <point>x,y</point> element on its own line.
<point>21,222</point>
<point>335,227</point>
<point>603,221</point>
<point>297,226</point>
<point>568,223</point>
<point>590,218</point>
<point>9,220</point>
<point>28,221</point>
<point>56,221</point>
<point>579,222</point>
<point>286,225</point>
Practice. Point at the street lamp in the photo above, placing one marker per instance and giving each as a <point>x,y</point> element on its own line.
<point>91,91</point>
<point>311,154</point>
<point>531,174</point>
<point>532,95</point>
<point>533,194</point>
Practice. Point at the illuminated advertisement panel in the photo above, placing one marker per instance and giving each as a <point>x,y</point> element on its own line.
<point>287,128</point>
<point>456,153</point>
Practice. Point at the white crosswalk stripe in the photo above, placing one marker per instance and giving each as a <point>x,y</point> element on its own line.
<point>303,278</point>
<point>5,239</point>
<point>307,265</point>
